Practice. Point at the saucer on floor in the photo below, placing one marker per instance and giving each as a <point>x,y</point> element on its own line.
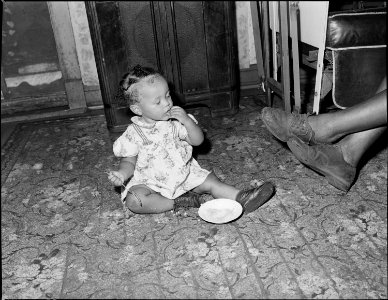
<point>220,211</point>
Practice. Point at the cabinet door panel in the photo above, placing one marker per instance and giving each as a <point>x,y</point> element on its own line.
<point>138,33</point>
<point>188,22</point>
<point>221,41</point>
<point>192,43</point>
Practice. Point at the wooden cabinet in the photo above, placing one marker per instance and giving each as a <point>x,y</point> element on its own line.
<point>194,44</point>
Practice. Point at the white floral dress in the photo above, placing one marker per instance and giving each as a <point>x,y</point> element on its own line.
<point>164,159</point>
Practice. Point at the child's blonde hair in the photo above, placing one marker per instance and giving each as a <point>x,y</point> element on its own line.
<point>129,85</point>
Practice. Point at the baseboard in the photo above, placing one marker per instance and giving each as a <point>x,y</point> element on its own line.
<point>250,83</point>
<point>93,95</point>
<point>51,105</point>
<point>249,77</point>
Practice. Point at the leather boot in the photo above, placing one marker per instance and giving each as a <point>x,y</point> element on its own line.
<point>285,125</point>
<point>326,160</point>
<point>252,199</point>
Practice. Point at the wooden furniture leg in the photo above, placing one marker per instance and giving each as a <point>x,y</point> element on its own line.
<point>258,45</point>
<point>294,8</point>
<point>319,74</point>
<point>285,58</point>
<point>266,51</point>
<point>280,11</point>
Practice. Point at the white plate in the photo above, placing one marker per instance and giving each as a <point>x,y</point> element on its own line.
<point>220,211</point>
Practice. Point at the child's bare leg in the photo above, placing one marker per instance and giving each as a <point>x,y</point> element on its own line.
<point>212,185</point>
<point>143,200</point>
<point>250,199</point>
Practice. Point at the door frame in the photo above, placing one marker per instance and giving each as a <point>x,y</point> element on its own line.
<point>69,65</point>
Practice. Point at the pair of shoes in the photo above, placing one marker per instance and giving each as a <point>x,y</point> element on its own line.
<point>327,160</point>
<point>284,125</point>
<point>190,199</point>
<point>254,198</point>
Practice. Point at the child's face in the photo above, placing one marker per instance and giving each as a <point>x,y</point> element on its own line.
<point>155,101</point>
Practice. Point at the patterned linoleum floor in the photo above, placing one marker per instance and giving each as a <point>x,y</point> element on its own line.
<point>65,234</point>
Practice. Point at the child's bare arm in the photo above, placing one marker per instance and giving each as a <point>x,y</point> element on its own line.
<point>195,135</point>
<point>125,171</point>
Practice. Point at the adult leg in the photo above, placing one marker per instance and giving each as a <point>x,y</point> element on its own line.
<point>336,162</point>
<point>363,124</point>
<point>369,114</point>
<point>327,128</point>
<point>362,121</point>
<point>356,144</point>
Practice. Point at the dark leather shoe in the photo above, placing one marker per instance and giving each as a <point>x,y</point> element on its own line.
<point>190,199</point>
<point>327,160</point>
<point>254,198</point>
<point>284,125</point>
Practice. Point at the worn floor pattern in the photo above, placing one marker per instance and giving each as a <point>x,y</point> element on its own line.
<point>65,234</point>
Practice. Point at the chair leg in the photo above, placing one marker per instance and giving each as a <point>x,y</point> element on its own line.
<point>283,10</point>
<point>295,54</point>
<point>318,78</point>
